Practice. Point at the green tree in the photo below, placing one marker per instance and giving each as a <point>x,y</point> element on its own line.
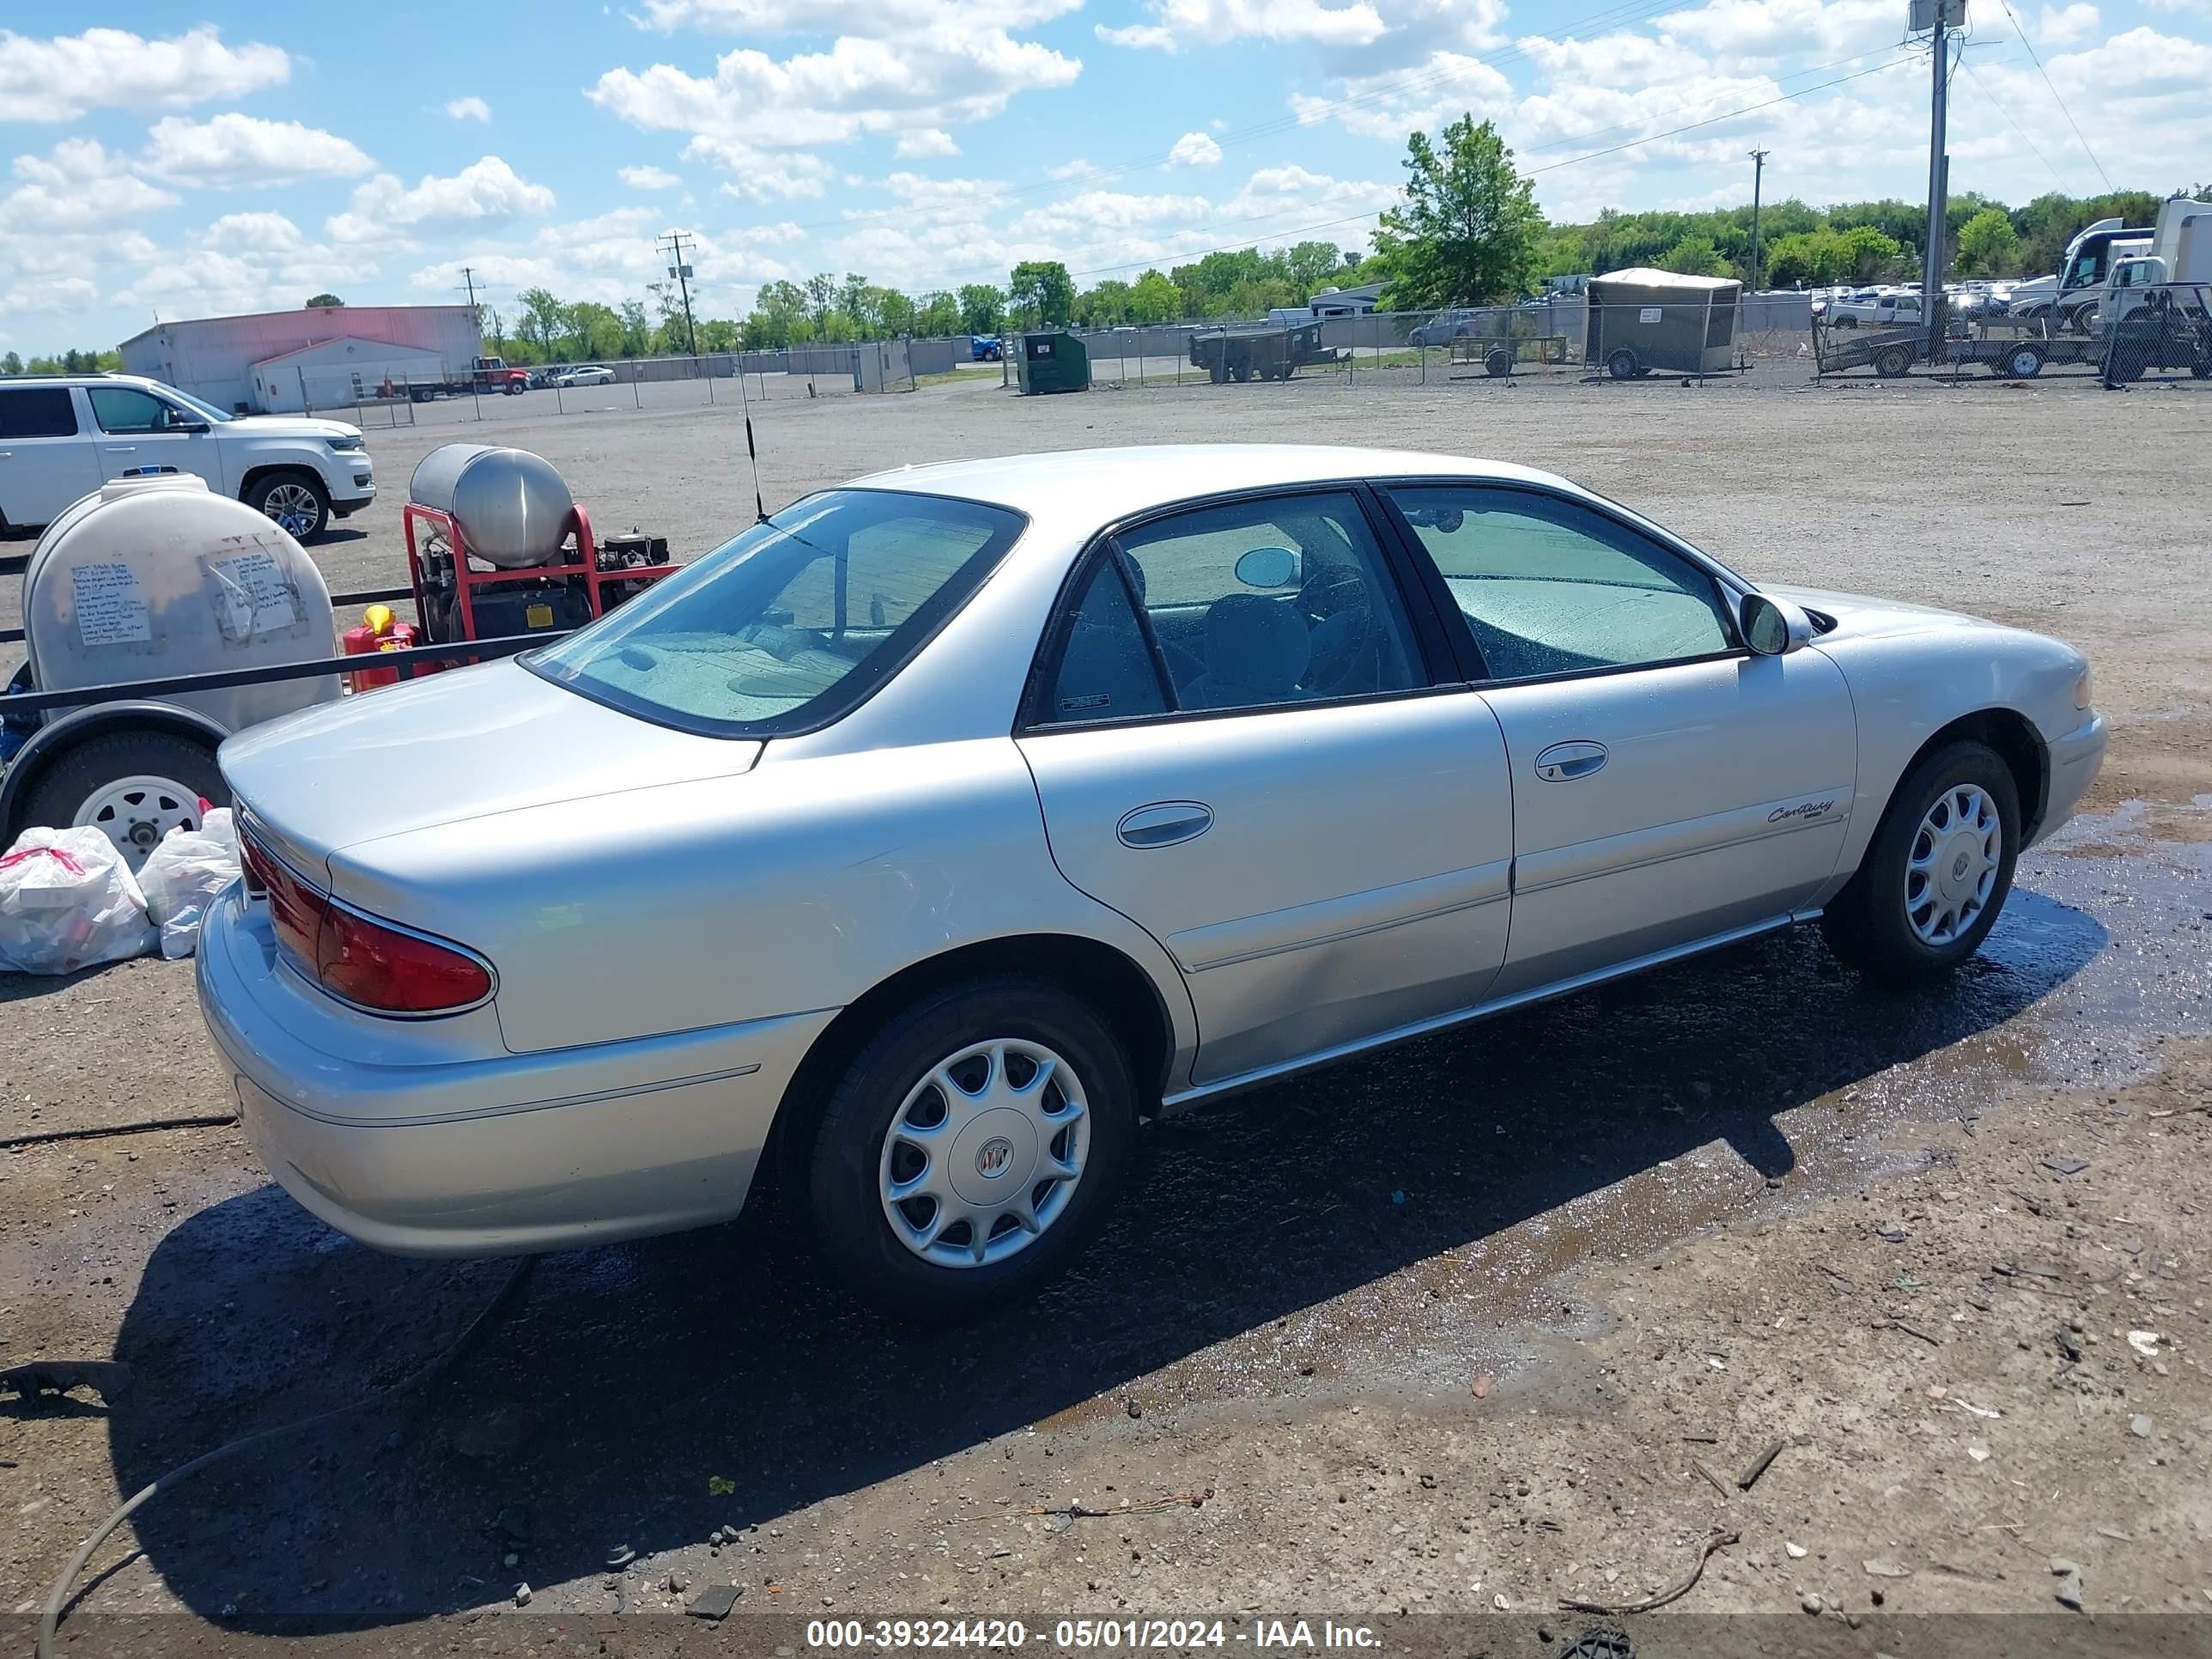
<point>1694,255</point>
<point>636,329</point>
<point>1988,245</point>
<point>982,308</point>
<point>11,364</point>
<point>821,297</point>
<point>1154,298</point>
<point>543,317</point>
<point>1467,232</point>
<point>1874,254</point>
<point>936,316</point>
<point>1312,266</point>
<point>323,301</point>
<point>1106,306</point>
<point>780,316</point>
<point>594,329</point>
<point>1039,291</point>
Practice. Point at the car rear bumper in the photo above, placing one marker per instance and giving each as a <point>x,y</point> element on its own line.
<point>2075,759</point>
<point>423,1152</point>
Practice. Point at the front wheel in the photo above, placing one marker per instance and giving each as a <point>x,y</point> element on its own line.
<point>1624,365</point>
<point>972,1148</point>
<point>295,501</point>
<point>1937,874</point>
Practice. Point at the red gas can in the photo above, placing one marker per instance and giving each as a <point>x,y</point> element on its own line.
<point>379,630</point>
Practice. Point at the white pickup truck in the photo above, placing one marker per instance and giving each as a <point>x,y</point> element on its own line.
<point>1896,309</point>
<point>63,436</point>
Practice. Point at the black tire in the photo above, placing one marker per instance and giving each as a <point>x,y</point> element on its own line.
<point>515,388</point>
<point>278,496</point>
<point>1867,926</point>
<point>73,778</point>
<point>1623,364</point>
<point>1217,372</point>
<point>842,1184</point>
<point>1497,362</point>
<point>1894,362</point>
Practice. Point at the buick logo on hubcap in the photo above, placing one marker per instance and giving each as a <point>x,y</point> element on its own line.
<point>994,1157</point>
<point>1959,868</point>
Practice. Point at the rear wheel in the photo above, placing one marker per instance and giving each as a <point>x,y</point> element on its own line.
<point>2021,362</point>
<point>135,786</point>
<point>1623,364</point>
<point>1217,372</point>
<point>1497,362</point>
<point>1937,874</point>
<point>972,1147</point>
<point>1894,363</point>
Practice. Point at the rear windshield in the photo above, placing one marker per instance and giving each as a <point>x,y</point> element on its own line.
<point>794,623</point>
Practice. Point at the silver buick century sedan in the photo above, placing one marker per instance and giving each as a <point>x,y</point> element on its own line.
<point>937,829</point>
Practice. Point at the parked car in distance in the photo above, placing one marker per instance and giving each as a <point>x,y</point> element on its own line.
<point>937,830</point>
<point>985,349</point>
<point>1442,329</point>
<point>1886,309</point>
<point>584,375</point>
<point>63,436</point>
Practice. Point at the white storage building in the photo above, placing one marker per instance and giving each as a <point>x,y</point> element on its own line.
<point>216,357</point>
<point>338,374</point>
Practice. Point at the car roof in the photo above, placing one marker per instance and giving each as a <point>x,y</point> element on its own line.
<point>1102,485</point>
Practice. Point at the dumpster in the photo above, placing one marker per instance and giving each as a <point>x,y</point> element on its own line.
<point>1053,360</point>
<point>1642,320</point>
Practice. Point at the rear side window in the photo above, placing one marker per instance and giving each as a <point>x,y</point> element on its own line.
<point>792,624</point>
<point>37,411</point>
<point>1107,671</point>
<point>126,408</point>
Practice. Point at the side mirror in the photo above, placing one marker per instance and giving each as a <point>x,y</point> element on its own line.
<point>1269,566</point>
<point>1771,626</point>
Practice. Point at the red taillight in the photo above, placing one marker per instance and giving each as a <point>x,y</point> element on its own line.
<point>368,963</point>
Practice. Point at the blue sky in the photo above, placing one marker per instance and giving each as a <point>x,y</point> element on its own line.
<point>152,162</point>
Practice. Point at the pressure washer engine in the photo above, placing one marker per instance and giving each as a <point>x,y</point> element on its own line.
<point>498,548</point>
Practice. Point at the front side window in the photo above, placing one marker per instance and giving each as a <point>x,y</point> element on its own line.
<point>1283,599</point>
<point>794,623</point>
<point>125,409</point>
<point>1548,587</point>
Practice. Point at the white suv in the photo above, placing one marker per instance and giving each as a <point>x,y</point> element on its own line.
<point>63,436</point>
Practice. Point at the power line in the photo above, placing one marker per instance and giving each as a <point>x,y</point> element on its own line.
<point>2055,97</point>
<point>2056,177</point>
<point>680,269</point>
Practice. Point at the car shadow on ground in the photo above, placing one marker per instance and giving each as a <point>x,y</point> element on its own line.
<point>631,1376</point>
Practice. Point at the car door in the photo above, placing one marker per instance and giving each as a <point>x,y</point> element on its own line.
<point>1247,736</point>
<point>1669,787</point>
<point>45,461</point>
<point>137,430</point>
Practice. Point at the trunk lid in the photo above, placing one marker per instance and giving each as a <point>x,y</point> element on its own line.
<point>467,743</point>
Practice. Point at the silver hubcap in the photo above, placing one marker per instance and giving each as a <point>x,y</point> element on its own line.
<point>136,813</point>
<point>1952,867</point>
<point>985,1152</point>
<point>294,506</point>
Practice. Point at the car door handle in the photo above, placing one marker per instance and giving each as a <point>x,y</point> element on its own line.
<point>122,449</point>
<point>1164,823</point>
<point>1564,761</point>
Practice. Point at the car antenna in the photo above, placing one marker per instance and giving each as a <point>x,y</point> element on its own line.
<point>760,506</point>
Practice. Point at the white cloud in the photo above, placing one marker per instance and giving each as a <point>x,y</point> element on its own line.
<point>648,178</point>
<point>1070,169</point>
<point>243,150</point>
<point>1767,29</point>
<point>758,175</point>
<point>76,187</point>
<point>272,231</point>
<point>1181,23</point>
<point>880,18</point>
<point>471,108</point>
<point>62,78</point>
<point>2063,26</point>
<point>1193,149</point>
<point>1389,106</point>
<point>486,193</point>
<point>926,141</point>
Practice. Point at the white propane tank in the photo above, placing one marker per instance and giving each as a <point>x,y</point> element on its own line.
<point>156,576</point>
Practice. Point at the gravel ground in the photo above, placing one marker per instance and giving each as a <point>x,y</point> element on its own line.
<point>1444,1333</point>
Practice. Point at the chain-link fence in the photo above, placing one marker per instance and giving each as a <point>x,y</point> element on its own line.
<point>430,392</point>
<point>2119,336</point>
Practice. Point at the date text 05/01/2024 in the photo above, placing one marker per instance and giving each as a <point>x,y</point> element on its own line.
<point>1099,1635</point>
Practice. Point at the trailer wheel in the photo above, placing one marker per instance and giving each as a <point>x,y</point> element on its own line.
<point>1497,363</point>
<point>2022,362</point>
<point>1217,372</point>
<point>1623,364</point>
<point>134,786</point>
<point>1894,363</point>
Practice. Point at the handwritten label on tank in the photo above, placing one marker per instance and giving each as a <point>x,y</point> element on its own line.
<point>109,610</point>
<point>251,595</point>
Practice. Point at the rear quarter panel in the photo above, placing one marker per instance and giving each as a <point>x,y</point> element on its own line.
<point>793,888</point>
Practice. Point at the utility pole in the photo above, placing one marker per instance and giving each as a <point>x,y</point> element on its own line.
<point>672,245</point>
<point>1758,176</point>
<point>1941,20</point>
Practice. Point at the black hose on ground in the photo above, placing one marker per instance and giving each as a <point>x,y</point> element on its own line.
<point>101,1131</point>
<point>429,1371</point>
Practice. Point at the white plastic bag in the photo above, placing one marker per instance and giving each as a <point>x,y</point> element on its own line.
<point>182,876</point>
<point>67,901</point>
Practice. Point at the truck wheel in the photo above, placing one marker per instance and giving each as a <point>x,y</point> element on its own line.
<point>294,499</point>
<point>1217,372</point>
<point>2084,320</point>
<point>1499,363</point>
<point>1623,364</point>
<point>514,388</point>
<point>135,786</point>
<point>1894,362</point>
<point>972,1147</point>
